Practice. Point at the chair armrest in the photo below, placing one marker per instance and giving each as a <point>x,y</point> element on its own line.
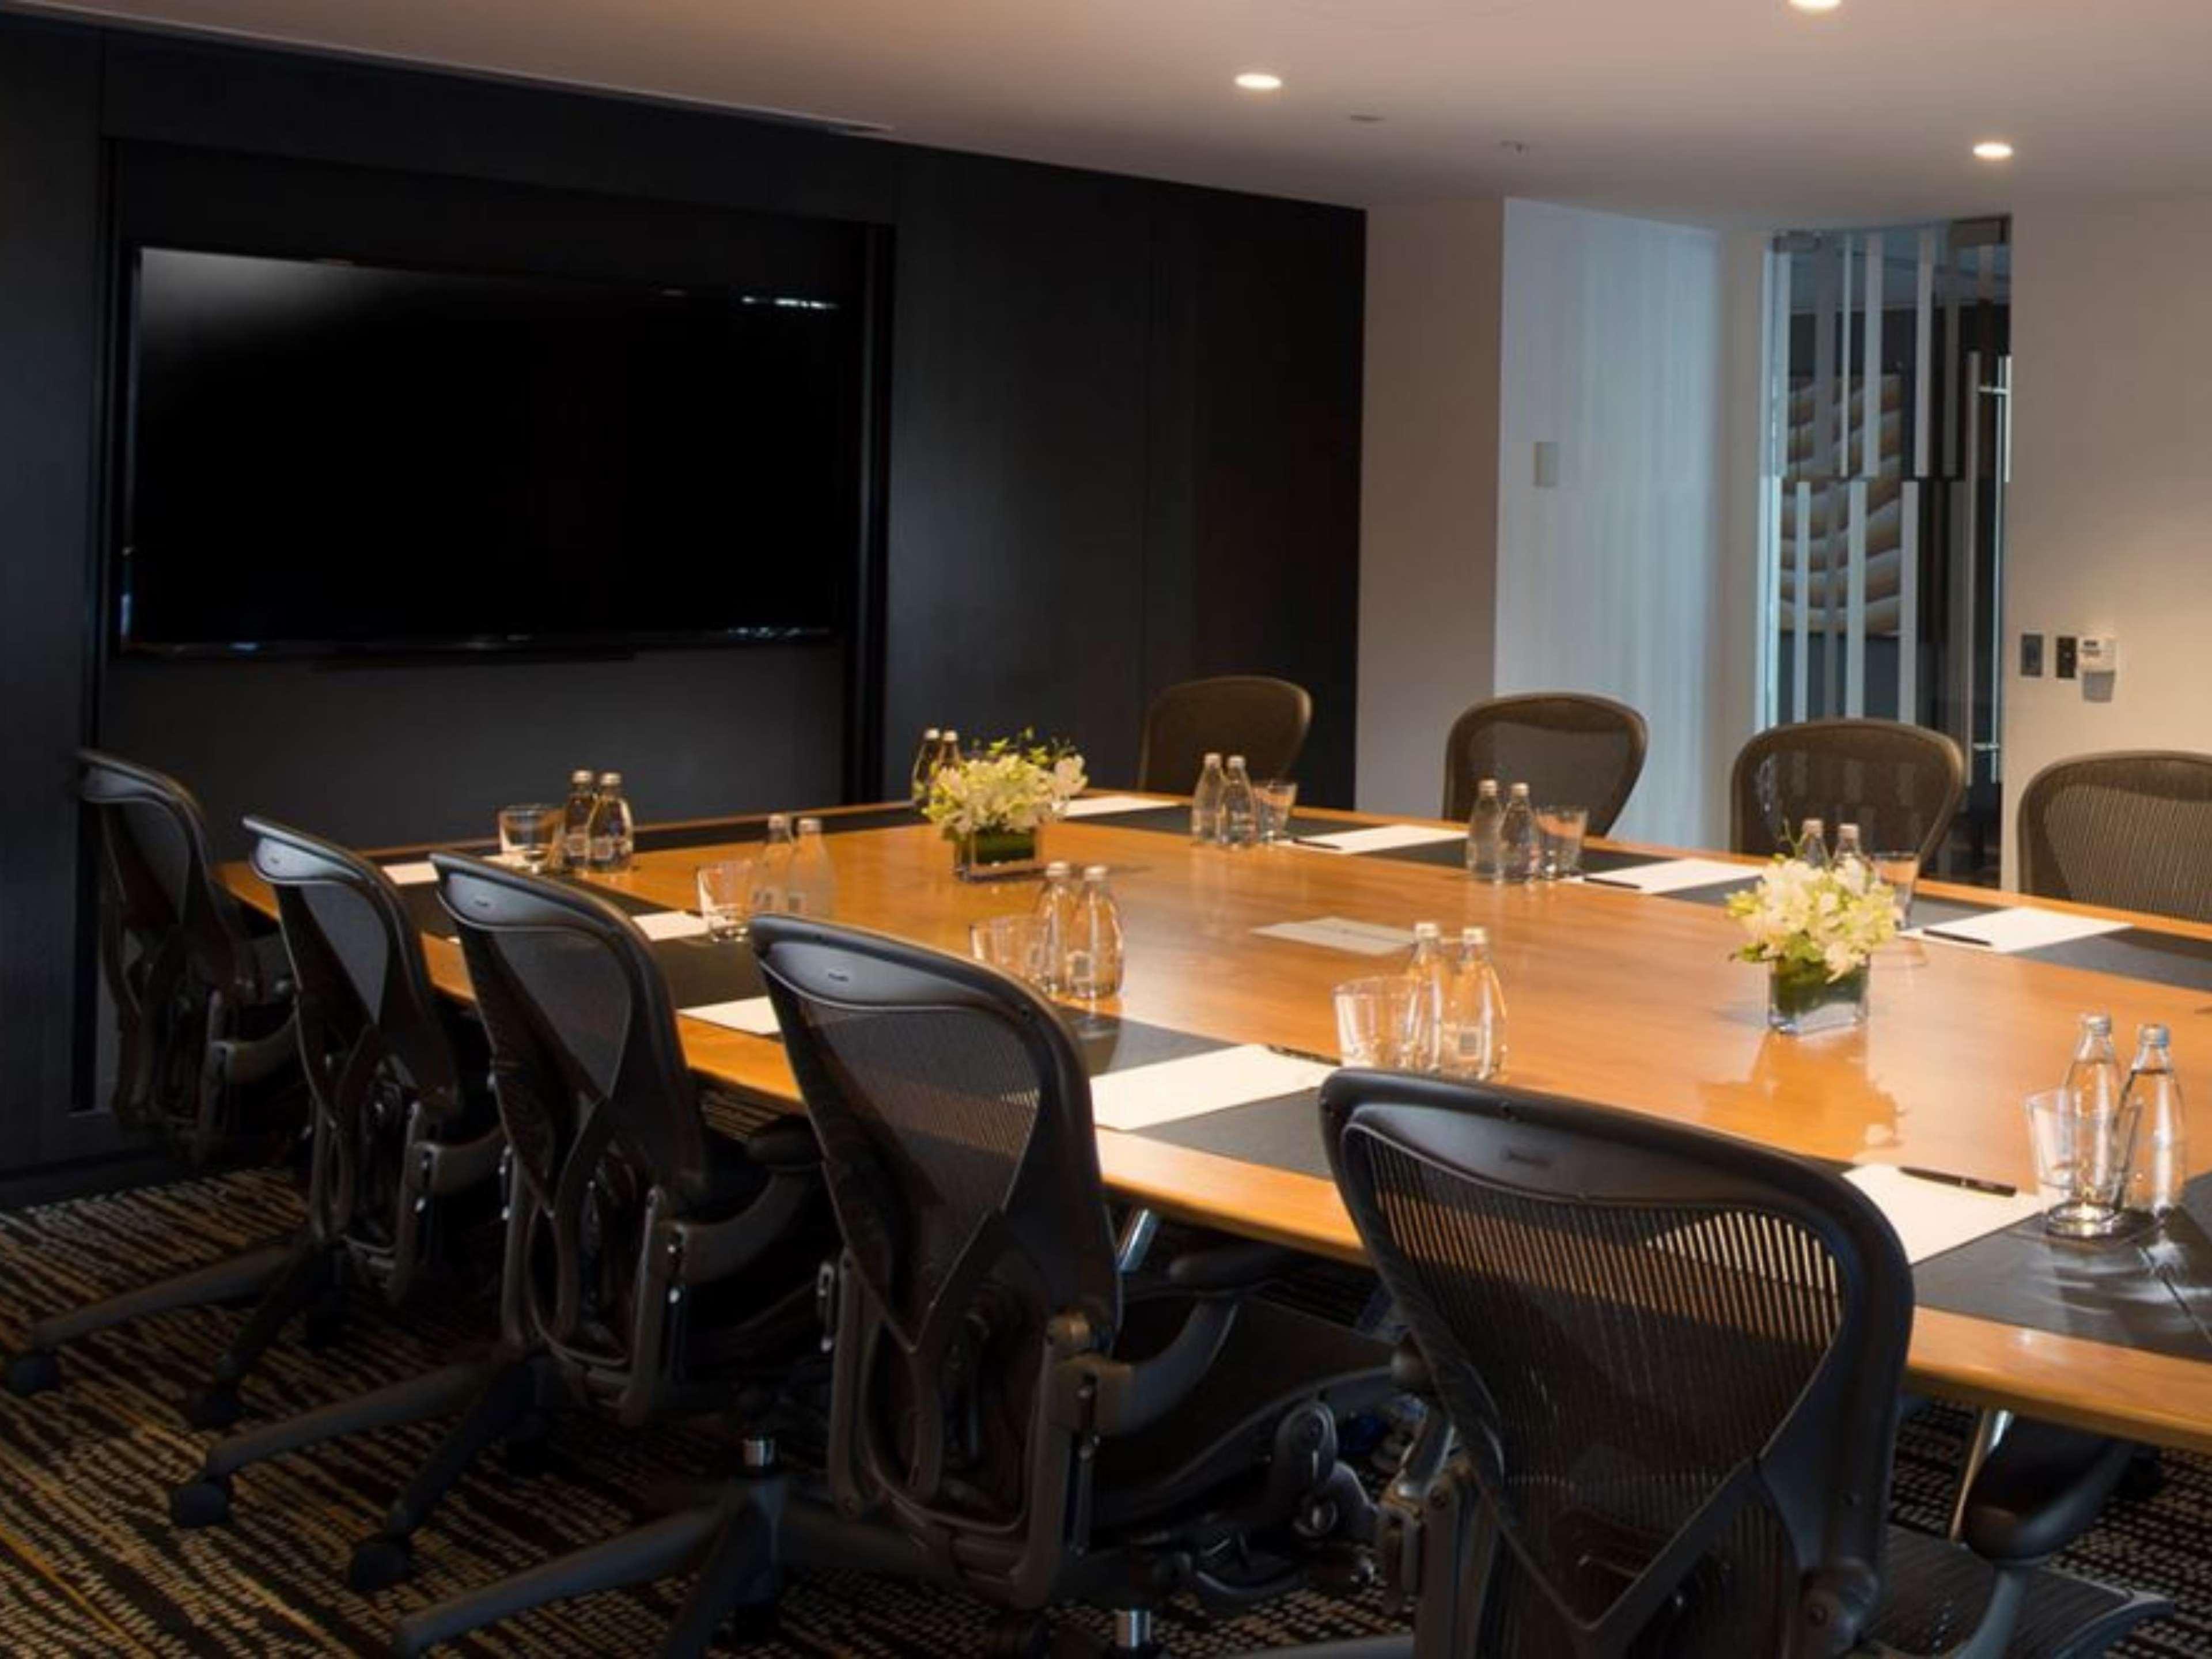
<point>787,1145</point>
<point>1231,1269</point>
<point>1131,1394</point>
<point>457,1166</point>
<point>705,1251</point>
<point>2040,1489</point>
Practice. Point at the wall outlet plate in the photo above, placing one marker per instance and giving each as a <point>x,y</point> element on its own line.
<point>2030,656</point>
<point>2064,668</point>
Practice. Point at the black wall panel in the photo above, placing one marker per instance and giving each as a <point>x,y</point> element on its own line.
<point>1121,448</point>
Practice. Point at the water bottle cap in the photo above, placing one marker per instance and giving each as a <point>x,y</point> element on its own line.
<point>1475,937</point>
<point>810,826</point>
<point>1094,873</point>
<point>1427,930</point>
<point>778,821</point>
<point>929,734</point>
<point>1213,757</point>
<point>1520,791</point>
<point>1058,870</point>
<point>2102,1023</point>
<point>1236,760</point>
<point>1813,827</point>
<point>582,774</point>
<point>1487,786</point>
<point>2155,1035</point>
<point>951,736</point>
<point>609,780</point>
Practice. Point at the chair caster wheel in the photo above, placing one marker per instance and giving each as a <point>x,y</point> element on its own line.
<point>34,1373</point>
<point>1019,1636</point>
<point>200,1502</point>
<point>215,1408</point>
<point>379,1563</point>
<point>322,1328</point>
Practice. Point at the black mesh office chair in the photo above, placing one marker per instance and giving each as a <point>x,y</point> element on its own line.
<point>205,1053</point>
<point>1568,748</point>
<point>406,1139</point>
<point>1006,1415</point>
<point>2130,830</point>
<point>654,1266</point>
<point>1900,784</point>
<point>1262,718</point>
<point>1670,1363</point>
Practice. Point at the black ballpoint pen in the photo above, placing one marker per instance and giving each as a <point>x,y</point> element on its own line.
<point>1994,1189</point>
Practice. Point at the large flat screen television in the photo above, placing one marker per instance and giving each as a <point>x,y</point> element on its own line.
<point>320,456</point>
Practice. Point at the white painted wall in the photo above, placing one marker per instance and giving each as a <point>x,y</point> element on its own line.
<point>1428,516</point>
<point>1614,348</point>
<point>2109,525</point>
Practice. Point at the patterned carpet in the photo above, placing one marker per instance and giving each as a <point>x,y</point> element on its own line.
<point>90,1562</point>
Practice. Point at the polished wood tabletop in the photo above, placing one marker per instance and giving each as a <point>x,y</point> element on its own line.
<point>1613,997</point>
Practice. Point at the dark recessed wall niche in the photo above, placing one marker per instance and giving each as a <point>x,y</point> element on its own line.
<point>1118,445</point>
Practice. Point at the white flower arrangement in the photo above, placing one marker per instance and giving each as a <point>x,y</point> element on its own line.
<point>1016,784</point>
<point>1805,918</point>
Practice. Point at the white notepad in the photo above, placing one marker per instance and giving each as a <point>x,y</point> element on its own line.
<point>756,1015</point>
<point>1932,1217</point>
<point>1099,806</point>
<point>2022,927</point>
<point>670,924</point>
<point>1365,938</point>
<point>1380,838</point>
<point>419,874</point>
<point>1673,875</point>
<point>1145,1097</point>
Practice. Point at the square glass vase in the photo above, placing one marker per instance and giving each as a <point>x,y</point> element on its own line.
<point>998,854</point>
<point>1801,1002</point>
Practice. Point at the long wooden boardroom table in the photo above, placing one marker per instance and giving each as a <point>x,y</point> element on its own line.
<point>1617,997</point>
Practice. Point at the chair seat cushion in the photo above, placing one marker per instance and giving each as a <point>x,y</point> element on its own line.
<point>1274,1358</point>
<point>1935,1591</point>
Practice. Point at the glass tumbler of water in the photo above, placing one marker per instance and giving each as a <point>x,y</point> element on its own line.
<point>1013,944</point>
<point>1276,797</point>
<point>528,835</point>
<point>2083,1144</point>
<point>1559,831</point>
<point>726,898</point>
<point>1378,1022</point>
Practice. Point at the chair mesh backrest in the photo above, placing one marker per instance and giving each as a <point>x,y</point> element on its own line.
<point>1262,718</point>
<point>954,1117</point>
<point>1659,1350</point>
<point>1570,749</point>
<point>1900,784</point>
<point>157,883</point>
<point>588,1072</point>
<point>371,1032</point>
<point>2131,830</point>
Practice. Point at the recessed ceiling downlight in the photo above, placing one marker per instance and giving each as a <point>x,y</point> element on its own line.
<point>1993,150</point>
<point>1260,80</point>
<point>1815,5</point>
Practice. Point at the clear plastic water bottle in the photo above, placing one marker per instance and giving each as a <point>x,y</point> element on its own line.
<point>1240,807</point>
<point>1520,849</point>
<point>924,769</point>
<point>2161,1168</point>
<point>1094,957</point>
<point>1056,908</point>
<point>811,890</point>
<point>1205,800</point>
<point>1474,1044</point>
<point>948,752</point>
<point>1482,826</point>
<point>1430,971</point>
<point>613,833</point>
<point>1813,844</point>
<point>576,820</point>
<point>1850,855</point>
<point>771,870</point>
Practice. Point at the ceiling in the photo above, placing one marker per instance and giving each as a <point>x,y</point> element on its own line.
<point>1739,112</point>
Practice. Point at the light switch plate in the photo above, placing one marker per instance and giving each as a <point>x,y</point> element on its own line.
<point>2064,666</point>
<point>2030,656</point>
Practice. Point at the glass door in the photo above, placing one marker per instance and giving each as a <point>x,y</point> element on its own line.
<point>1883,518</point>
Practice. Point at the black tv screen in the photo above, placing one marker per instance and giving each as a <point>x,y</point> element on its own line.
<point>325,456</point>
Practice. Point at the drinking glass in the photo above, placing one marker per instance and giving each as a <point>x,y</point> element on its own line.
<point>2083,1146</point>
<point>1561,829</point>
<point>1901,873</point>
<point>1013,944</point>
<point>528,835</point>
<point>1378,1022</point>
<point>726,898</point>
<point>1276,797</point>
